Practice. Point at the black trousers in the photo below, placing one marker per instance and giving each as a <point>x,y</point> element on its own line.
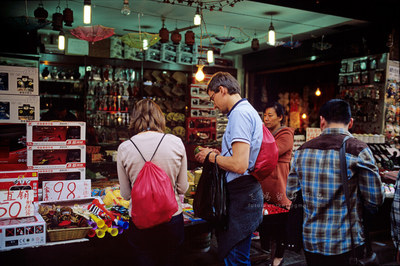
<point>160,245</point>
<point>334,260</point>
<point>273,228</point>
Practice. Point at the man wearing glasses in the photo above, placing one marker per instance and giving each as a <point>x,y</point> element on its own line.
<point>240,147</point>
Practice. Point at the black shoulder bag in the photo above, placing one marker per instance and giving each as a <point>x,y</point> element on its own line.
<point>370,258</point>
<point>210,200</point>
<point>294,224</point>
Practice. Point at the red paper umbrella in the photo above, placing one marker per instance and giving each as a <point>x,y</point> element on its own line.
<point>92,33</point>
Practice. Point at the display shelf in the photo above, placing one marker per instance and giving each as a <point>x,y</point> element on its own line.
<point>361,83</point>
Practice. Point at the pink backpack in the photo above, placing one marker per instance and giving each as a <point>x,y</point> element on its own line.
<point>267,158</point>
<point>152,195</point>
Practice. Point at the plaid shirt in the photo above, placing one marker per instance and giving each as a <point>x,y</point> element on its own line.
<point>315,170</point>
<point>395,215</point>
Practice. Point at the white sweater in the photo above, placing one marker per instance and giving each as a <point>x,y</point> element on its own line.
<point>170,156</point>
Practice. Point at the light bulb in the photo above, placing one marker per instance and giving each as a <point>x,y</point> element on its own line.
<point>125,9</point>
<point>87,12</point>
<point>200,74</point>
<point>61,41</point>
<point>304,116</point>
<point>197,17</point>
<point>145,44</point>
<point>210,56</point>
<point>271,35</point>
<point>318,92</point>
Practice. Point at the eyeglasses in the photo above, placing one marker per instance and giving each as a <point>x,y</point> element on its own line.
<point>213,96</point>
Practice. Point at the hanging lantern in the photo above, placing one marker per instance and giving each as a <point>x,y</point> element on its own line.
<point>189,37</point>
<point>255,44</point>
<point>41,14</point>
<point>57,20</point>
<point>176,37</point>
<point>68,16</point>
<point>164,35</point>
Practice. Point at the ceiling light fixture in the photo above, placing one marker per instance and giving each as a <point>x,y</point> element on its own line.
<point>210,56</point>
<point>271,34</point>
<point>255,43</point>
<point>61,40</point>
<point>145,44</point>
<point>125,9</point>
<point>87,11</point>
<point>200,74</point>
<point>318,92</point>
<point>197,17</point>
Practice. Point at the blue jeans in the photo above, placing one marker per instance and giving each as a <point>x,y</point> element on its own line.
<point>240,253</point>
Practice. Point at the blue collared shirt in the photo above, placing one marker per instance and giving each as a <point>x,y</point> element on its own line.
<point>244,125</point>
<point>315,169</point>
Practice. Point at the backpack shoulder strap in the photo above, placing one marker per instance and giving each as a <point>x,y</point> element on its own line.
<point>157,146</point>
<point>154,151</point>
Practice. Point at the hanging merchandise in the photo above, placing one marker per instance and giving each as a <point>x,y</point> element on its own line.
<point>92,33</point>
<point>40,13</point>
<point>135,39</point>
<point>57,19</point>
<point>189,37</point>
<point>68,16</point>
<point>164,33</point>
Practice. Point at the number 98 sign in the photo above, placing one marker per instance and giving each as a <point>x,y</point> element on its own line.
<point>66,190</point>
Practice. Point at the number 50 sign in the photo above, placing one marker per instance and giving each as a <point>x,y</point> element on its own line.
<point>66,190</point>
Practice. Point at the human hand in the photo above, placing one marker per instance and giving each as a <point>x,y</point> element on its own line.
<point>201,155</point>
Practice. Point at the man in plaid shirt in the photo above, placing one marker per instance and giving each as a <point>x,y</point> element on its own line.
<point>315,170</point>
<point>395,218</point>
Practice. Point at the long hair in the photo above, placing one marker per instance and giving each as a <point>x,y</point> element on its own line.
<point>146,115</point>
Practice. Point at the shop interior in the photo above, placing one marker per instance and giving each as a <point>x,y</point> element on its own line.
<point>152,49</point>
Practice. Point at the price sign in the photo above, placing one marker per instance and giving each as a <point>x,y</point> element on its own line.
<point>16,203</point>
<point>66,190</point>
<point>312,133</point>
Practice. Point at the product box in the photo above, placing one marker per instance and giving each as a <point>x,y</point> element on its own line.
<point>19,180</point>
<point>55,133</point>
<point>60,174</point>
<point>201,122</point>
<point>198,90</point>
<point>19,80</point>
<point>47,157</point>
<point>12,146</point>
<point>19,108</point>
<point>201,135</point>
<point>22,232</point>
<point>203,102</point>
<point>186,58</point>
<point>203,112</point>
